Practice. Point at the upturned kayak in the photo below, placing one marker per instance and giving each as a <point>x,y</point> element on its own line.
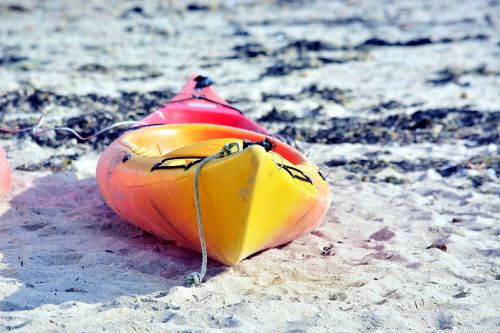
<point>5,173</point>
<point>261,194</point>
<point>199,103</point>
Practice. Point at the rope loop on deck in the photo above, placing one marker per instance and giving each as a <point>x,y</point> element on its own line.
<point>194,279</point>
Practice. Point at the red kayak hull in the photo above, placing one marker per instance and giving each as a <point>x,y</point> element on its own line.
<point>201,105</point>
<point>5,173</point>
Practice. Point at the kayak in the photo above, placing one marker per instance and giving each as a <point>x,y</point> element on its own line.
<point>259,194</point>
<point>199,103</point>
<point>5,173</point>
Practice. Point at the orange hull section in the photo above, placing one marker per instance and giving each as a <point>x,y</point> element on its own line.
<point>248,203</point>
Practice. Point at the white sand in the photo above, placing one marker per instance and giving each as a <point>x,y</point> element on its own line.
<point>68,263</point>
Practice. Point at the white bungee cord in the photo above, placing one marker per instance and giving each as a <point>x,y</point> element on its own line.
<point>38,130</point>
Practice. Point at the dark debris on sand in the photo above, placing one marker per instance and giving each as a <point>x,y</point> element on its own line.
<point>336,95</point>
<point>284,67</point>
<point>197,7</point>
<point>53,163</point>
<point>432,125</point>
<point>281,116</point>
<point>249,50</point>
<point>11,59</point>
<point>328,22</point>
<point>303,45</point>
<point>454,75</point>
<point>97,112</point>
<point>379,42</point>
<point>134,11</point>
<point>447,125</point>
<point>444,167</point>
<point>438,245</point>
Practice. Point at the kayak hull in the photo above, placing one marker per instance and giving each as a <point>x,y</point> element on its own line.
<point>249,200</point>
<point>5,173</point>
<point>201,105</point>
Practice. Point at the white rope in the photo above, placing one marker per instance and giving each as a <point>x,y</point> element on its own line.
<point>327,169</point>
<point>194,279</point>
<point>282,160</point>
<point>37,129</point>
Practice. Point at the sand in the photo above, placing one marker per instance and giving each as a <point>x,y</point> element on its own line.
<point>411,240</point>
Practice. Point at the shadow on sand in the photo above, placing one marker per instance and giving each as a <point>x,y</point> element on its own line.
<point>59,242</point>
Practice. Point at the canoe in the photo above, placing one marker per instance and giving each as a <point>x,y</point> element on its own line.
<point>199,103</point>
<point>5,173</point>
<point>264,195</point>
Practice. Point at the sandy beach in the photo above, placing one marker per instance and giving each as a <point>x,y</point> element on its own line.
<point>399,100</point>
